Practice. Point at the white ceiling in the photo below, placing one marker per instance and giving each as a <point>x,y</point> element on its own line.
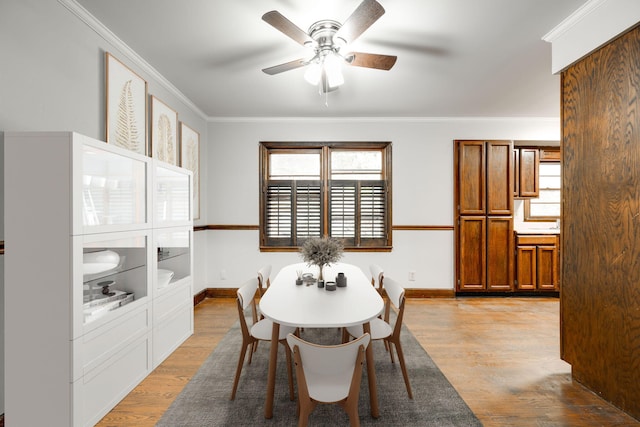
<point>456,58</point>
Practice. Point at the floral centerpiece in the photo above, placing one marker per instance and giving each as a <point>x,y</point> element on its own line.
<point>321,251</point>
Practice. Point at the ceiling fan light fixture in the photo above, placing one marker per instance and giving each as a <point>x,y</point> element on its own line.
<point>313,73</point>
<point>333,69</point>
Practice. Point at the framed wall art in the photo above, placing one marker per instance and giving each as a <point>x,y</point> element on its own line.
<point>164,132</point>
<point>126,106</point>
<point>190,159</point>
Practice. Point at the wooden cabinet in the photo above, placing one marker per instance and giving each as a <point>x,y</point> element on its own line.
<point>484,204</point>
<point>484,177</point>
<point>526,172</point>
<point>537,262</point>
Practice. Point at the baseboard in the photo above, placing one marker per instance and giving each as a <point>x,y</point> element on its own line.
<point>409,293</point>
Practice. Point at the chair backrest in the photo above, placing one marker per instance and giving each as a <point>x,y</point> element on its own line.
<point>395,295</point>
<point>264,277</point>
<point>246,297</point>
<point>377,276</point>
<point>334,364</point>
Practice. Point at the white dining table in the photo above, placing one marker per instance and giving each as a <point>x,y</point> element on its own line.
<point>285,303</point>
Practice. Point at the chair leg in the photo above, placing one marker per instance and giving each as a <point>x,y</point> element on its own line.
<point>398,347</point>
<point>245,345</point>
<point>287,352</point>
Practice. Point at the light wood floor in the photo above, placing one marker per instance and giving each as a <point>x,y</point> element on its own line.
<point>501,355</point>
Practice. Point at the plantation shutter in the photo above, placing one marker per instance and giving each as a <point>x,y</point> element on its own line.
<point>308,204</point>
<point>343,208</point>
<point>358,213</point>
<point>293,211</point>
<point>373,212</point>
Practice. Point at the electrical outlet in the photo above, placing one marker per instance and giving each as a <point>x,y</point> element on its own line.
<point>223,274</point>
<point>412,276</point>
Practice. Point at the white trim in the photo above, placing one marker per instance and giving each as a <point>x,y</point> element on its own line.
<point>593,25</point>
<point>572,20</point>
<point>83,14</point>
<point>381,119</point>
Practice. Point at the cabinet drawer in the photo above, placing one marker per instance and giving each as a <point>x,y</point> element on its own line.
<point>170,333</point>
<point>166,304</point>
<point>102,388</point>
<point>99,345</point>
<point>536,239</point>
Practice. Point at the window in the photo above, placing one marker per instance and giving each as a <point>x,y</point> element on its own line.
<point>547,205</point>
<point>337,189</point>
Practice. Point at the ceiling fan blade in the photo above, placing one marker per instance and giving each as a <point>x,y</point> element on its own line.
<point>372,60</point>
<point>288,28</point>
<point>281,68</point>
<point>362,18</point>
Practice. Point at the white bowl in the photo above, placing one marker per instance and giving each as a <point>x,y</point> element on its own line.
<point>100,261</point>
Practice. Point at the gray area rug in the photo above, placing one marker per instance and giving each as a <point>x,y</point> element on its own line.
<point>205,399</point>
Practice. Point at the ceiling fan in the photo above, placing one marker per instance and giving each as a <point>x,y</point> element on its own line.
<point>327,38</point>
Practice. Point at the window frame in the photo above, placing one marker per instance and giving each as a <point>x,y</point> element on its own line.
<point>527,203</point>
<point>325,148</point>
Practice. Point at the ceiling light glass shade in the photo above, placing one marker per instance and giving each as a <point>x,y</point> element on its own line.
<point>313,73</point>
<point>333,68</point>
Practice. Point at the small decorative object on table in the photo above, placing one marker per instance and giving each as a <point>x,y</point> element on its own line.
<point>299,279</point>
<point>321,251</point>
<point>330,286</point>
<point>321,283</point>
<point>341,280</point>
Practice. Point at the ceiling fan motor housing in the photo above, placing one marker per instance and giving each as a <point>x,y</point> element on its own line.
<point>322,33</point>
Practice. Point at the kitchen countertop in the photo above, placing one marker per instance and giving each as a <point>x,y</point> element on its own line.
<point>538,231</point>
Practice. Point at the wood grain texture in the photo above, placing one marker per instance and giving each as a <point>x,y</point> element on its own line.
<point>601,221</point>
<point>501,355</point>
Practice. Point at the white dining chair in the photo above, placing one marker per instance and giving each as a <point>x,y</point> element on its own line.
<point>381,329</point>
<point>328,374</point>
<point>264,279</point>
<point>377,276</point>
<point>259,330</point>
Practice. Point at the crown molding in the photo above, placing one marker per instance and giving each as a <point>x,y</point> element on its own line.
<point>99,28</point>
<point>380,119</point>
<point>573,19</point>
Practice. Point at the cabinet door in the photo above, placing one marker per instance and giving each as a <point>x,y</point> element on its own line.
<point>515,174</point>
<point>472,253</point>
<point>471,178</point>
<point>529,165</point>
<point>500,254</point>
<point>499,177</point>
<point>526,260</point>
<point>547,272</point>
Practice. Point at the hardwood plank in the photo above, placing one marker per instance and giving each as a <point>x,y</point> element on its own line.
<point>501,354</point>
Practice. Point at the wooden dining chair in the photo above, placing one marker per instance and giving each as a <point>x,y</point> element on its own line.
<point>328,374</point>
<point>381,329</point>
<point>264,279</point>
<point>259,330</point>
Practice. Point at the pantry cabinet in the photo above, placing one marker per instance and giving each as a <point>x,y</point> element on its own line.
<point>484,207</point>
<point>98,274</point>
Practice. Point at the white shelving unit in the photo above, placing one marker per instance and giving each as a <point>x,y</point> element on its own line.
<point>92,234</point>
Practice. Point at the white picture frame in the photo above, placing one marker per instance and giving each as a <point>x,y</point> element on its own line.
<point>164,132</point>
<point>190,159</point>
<point>126,106</point>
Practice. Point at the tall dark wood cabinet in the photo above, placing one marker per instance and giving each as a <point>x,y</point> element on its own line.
<point>484,211</point>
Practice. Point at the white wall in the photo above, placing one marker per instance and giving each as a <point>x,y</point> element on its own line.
<point>422,153</point>
<point>52,78</point>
